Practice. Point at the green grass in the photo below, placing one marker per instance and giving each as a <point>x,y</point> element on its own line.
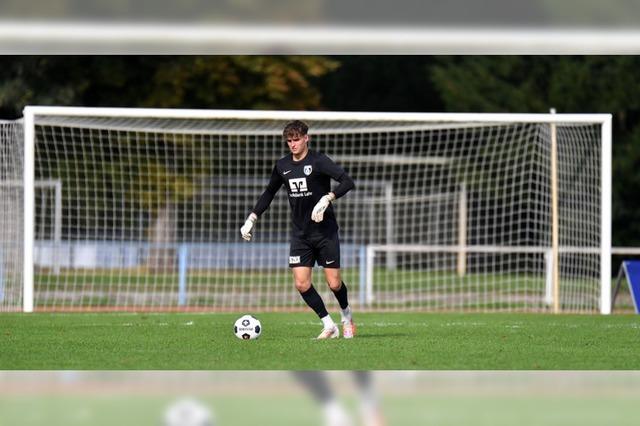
<point>410,341</point>
<point>250,410</point>
<point>110,410</point>
<point>399,289</point>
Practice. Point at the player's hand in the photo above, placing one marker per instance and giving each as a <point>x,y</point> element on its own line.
<point>245,231</point>
<point>318,211</point>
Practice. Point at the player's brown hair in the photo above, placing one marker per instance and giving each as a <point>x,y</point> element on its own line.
<point>294,129</point>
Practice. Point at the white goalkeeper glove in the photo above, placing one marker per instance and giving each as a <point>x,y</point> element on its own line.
<point>245,231</point>
<point>318,211</point>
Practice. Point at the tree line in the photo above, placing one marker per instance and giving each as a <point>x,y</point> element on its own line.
<point>570,84</point>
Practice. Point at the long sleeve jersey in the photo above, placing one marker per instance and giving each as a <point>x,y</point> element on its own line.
<point>306,181</point>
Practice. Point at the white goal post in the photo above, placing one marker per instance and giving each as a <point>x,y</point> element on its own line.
<point>450,212</point>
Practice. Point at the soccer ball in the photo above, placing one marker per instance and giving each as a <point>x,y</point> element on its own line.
<point>247,327</point>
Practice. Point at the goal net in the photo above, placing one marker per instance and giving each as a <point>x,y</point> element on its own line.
<point>450,211</point>
<point>11,215</point>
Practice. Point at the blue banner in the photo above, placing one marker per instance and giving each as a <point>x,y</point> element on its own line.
<point>632,271</point>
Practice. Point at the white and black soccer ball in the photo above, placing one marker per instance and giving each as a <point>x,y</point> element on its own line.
<point>247,327</point>
<point>188,412</point>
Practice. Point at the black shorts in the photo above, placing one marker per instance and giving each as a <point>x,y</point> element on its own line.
<point>306,251</point>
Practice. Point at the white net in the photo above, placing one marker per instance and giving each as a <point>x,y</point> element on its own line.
<point>11,216</point>
<point>502,260</point>
<point>445,216</point>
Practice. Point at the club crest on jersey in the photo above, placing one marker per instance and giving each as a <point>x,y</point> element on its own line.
<point>307,170</point>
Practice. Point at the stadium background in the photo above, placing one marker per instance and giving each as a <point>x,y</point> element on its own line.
<point>532,84</point>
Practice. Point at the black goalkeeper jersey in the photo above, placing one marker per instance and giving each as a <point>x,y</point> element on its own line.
<point>306,181</point>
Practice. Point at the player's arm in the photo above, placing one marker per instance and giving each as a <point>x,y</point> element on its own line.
<point>263,204</point>
<point>346,184</point>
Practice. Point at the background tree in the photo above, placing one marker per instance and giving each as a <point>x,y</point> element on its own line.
<point>248,82</point>
<point>571,84</point>
<point>587,84</point>
<point>158,184</point>
<point>381,83</point>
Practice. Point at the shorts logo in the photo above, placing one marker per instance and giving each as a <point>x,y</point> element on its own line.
<point>298,185</point>
<point>329,262</point>
<point>307,170</point>
<point>294,259</point>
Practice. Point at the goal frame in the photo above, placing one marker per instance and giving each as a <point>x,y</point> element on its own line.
<point>31,112</point>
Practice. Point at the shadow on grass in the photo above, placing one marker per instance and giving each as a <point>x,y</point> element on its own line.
<point>373,336</point>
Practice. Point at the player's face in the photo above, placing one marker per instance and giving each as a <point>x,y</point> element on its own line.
<point>297,144</point>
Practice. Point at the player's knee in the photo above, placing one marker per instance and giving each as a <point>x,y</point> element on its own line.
<point>302,285</point>
<point>334,284</point>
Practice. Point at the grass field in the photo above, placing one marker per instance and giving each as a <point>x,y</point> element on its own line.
<point>478,410</point>
<point>400,289</point>
<point>397,341</point>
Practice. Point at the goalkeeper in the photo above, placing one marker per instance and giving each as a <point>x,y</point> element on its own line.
<point>307,176</point>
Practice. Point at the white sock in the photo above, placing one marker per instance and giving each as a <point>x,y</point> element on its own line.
<point>327,322</point>
<point>346,314</point>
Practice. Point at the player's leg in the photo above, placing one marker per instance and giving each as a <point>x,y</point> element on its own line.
<point>339,289</point>
<point>329,257</point>
<point>301,260</point>
<point>302,280</point>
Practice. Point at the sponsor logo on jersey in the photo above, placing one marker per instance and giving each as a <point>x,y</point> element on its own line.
<point>307,170</point>
<point>298,185</point>
<point>294,259</point>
